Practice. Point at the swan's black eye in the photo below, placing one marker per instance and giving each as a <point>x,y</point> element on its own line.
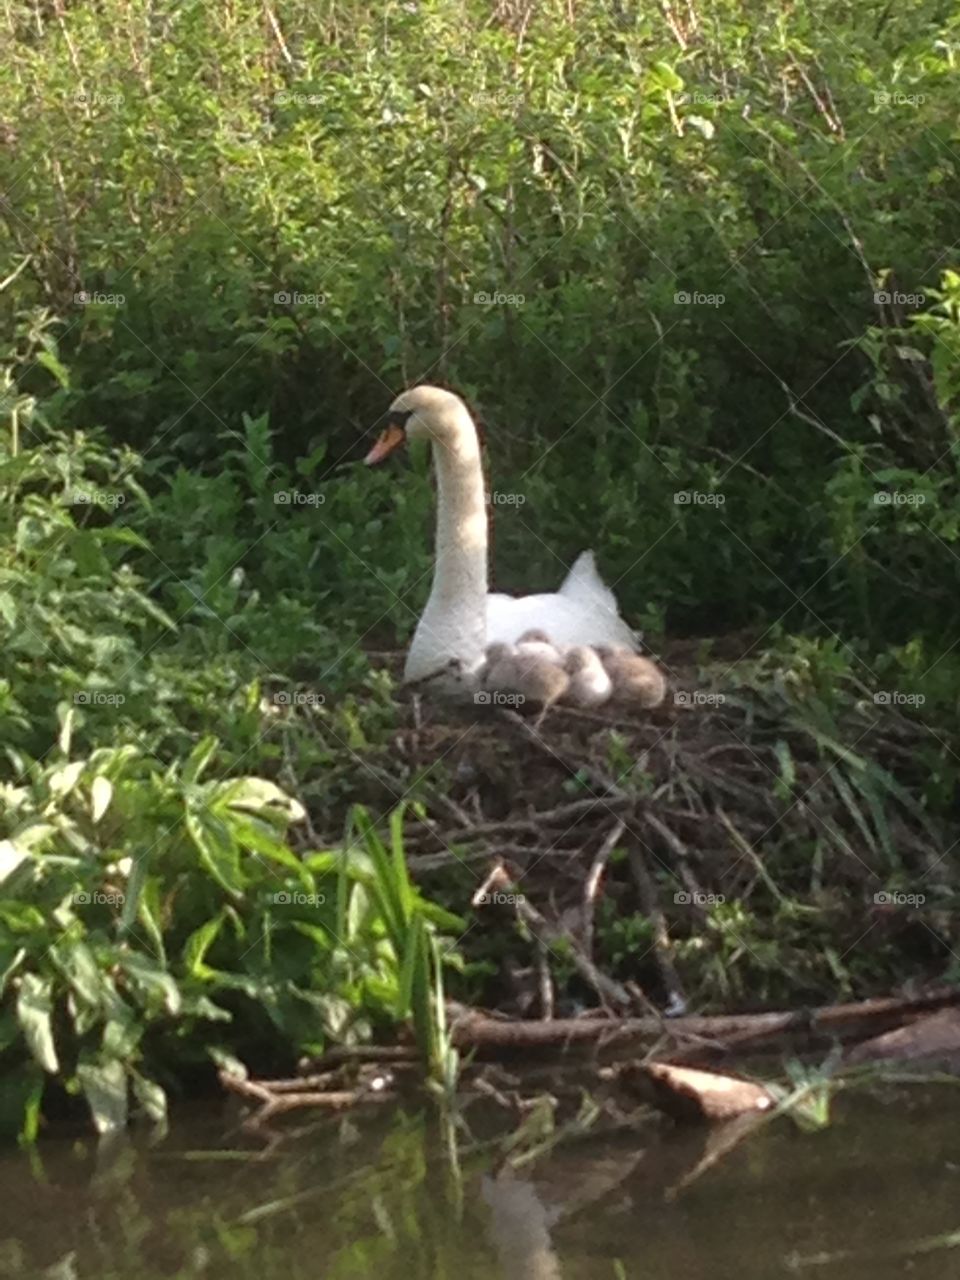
<point>399,418</point>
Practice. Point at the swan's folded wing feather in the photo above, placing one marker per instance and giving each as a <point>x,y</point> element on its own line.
<point>584,585</point>
<point>566,621</point>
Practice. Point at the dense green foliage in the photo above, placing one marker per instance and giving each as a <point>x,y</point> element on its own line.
<point>720,248</point>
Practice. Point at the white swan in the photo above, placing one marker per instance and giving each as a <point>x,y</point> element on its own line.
<point>460,618</point>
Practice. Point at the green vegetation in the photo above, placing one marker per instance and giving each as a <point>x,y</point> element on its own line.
<point>720,248</point>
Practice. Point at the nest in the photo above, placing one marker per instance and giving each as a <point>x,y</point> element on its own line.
<point>732,819</point>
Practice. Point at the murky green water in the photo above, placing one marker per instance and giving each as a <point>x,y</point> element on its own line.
<point>375,1197</point>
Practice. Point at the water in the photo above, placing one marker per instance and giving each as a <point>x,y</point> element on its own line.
<point>373,1196</point>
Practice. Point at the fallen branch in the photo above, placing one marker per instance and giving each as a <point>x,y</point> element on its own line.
<point>473,1030</point>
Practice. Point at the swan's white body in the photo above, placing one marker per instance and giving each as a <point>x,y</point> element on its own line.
<point>460,618</point>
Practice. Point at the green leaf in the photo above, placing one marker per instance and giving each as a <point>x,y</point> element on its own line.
<point>59,370</point>
<point>197,946</point>
<point>151,1097</point>
<point>218,850</point>
<point>260,796</point>
<point>150,979</point>
<point>662,76</point>
<point>105,1087</point>
<point>34,1012</point>
<point>199,758</point>
<point>101,793</point>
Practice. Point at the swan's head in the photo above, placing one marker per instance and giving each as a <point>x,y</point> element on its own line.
<point>423,413</point>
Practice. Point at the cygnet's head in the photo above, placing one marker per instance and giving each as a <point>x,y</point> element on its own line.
<point>423,413</point>
<point>497,652</point>
<point>578,658</point>
<point>535,636</point>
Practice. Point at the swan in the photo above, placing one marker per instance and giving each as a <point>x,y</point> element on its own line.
<point>590,683</point>
<point>460,618</point>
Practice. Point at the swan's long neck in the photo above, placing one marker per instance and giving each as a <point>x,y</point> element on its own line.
<point>461,569</point>
<point>453,624</point>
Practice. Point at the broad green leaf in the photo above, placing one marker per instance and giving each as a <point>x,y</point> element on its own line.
<point>101,793</point>
<point>145,975</point>
<point>199,758</point>
<point>104,1085</point>
<point>218,850</point>
<point>34,1011</point>
<point>151,1096</point>
<point>55,366</point>
<point>197,946</point>
<point>62,781</point>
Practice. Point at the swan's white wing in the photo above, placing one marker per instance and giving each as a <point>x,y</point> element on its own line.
<point>584,585</point>
<point>583,611</point>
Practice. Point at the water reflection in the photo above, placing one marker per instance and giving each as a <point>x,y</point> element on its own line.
<point>381,1196</point>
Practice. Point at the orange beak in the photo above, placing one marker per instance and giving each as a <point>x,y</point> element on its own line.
<point>393,438</point>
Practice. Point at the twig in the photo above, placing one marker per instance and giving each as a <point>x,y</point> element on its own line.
<point>661,935</point>
<point>592,883</point>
